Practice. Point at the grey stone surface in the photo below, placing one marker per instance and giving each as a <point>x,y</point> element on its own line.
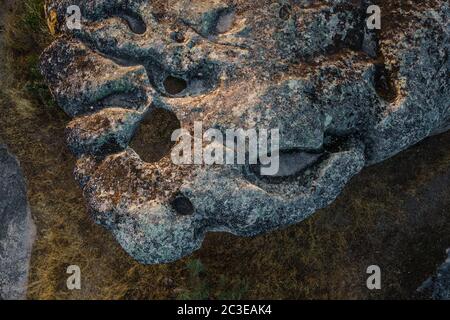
<point>17,230</point>
<point>309,68</point>
<point>437,287</point>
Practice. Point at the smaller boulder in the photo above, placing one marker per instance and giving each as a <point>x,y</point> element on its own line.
<point>17,230</point>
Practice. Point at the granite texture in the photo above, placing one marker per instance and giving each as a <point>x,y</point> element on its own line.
<point>437,287</point>
<point>17,229</point>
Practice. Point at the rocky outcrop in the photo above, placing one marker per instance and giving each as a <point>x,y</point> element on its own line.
<point>17,230</point>
<point>343,97</point>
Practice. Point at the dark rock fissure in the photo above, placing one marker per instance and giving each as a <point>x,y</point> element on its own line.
<point>384,84</point>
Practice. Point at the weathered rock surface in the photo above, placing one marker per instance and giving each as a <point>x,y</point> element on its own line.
<point>311,69</point>
<point>438,286</point>
<point>16,229</point>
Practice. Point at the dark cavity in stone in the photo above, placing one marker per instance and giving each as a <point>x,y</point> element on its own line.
<point>384,84</point>
<point>135,23</point>
<point>152,140</point>
<point>182,205</point>
<point>174,85</point>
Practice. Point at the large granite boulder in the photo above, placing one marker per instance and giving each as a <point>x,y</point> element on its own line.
<point>17,230</point>
<point>342,96</point>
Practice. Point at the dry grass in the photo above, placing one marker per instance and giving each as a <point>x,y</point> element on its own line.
<point>394,215</point>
